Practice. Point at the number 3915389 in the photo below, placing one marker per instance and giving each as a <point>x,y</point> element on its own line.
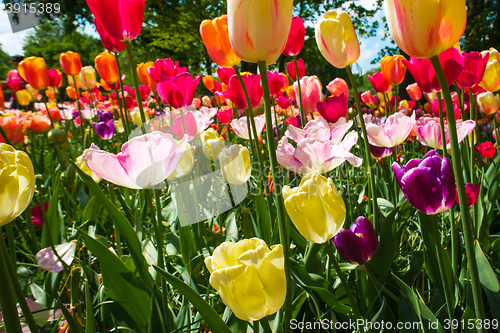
<point>33,8</point>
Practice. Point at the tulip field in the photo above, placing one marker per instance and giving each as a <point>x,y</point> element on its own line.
<point>254,202</point>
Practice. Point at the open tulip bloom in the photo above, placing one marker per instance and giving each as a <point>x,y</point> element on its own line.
<point>391,133</point>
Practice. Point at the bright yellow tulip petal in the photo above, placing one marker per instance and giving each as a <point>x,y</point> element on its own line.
<point>272,275</point>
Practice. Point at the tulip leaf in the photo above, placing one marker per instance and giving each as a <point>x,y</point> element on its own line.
<point>52,224</point>
<point>489,280</point>
<point>425,315</point>
<point>211,317</point>
<point>121,284</point>
<point>90,322</point>
<point>263,218</point>
<point>331,300</point>
<point>231,228</point>
<point>126,230</point>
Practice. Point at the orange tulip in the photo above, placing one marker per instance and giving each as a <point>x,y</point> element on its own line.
<point>393,69</point>
<point>424,29</point>
<point>34,71</point>
<point>70,63</point>
<point>208,81</point>
<point>39,123</point>
<point>71,92</point>
<point>142,72</point>
<point>287,82</point>
<point>105,63</point>
<point>215,35</point>
<point>54,113</point>
<point>50,94</point>
<point>13,126</point>
<point>104,85</point>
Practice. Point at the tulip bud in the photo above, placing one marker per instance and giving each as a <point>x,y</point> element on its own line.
<point>17,182</point>
<point>34,71</point>
<point>88,78</point>
<point>414,92</point>
<point>315,208</point>
<point>23,97</point>
<point>249,277</point>
<point>379,83</point>
<point>208,81</point>
<point>491,77</point>
<point>486,149</point>
<point>70,63</point>
<point>393,69</point>
<point>290,69</point>
<point>358,243</point>
<point>212,144</point>
<point>105,63</point>
<point>487,102</point>
<point>296,38</point>
<point>338,87</point>
<point>472,192</point>
<point>55,78</point>
<point>142,72</point>
<point>215,36</point>
<point>337,39</point>
<point>311,92</point>
<point>71,92</point>
<point>235,164</point>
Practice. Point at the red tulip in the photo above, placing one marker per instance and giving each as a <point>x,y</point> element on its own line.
<point>367,97</point>
<point>414,91</point>
<point>235,92</point>
<point>225,117</point>
<point>296,37</point>
<point>290,69</point>
<point>179,91</point>
<point>276,82</point>
<point>37,214</point>
<point>486,149</point>
<point>121,19</point>
<point>472,193</point>
<point>283,102</point>
<point>334,108</point>
<point>55,78</point>
<point>474,67</point>
<point>109,43</point>
<point>379,83</point>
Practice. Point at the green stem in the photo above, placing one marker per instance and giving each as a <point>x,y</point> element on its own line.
<point>136,85</point>
<point>7,298</point>
<point>159,240</point>
<point>82,121</point>
<point>277,193</point>
<point>122,111</point>
<point>124,105</point>
<point>368,171</point>
<point>302,114</point>
<point>441,122</point>
<point>464,209</point>
<point>341,275</point>
<point>265,324</point>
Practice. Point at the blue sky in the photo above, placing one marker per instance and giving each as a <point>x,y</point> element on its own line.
<point>12,43</point>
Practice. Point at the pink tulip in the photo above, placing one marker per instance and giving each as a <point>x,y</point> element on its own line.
<point>414,92</point>
<point>165,69</point>
<point>311,92</point>
<point>295,38</point>
<point>379,83</point>
<point>109,43</point>
<point>429,132</point>
<point>318,129</point>
<point>474,67</point>
<point>422,71</point>
<point>435,108</point>
<point>314,155</point>
<point>122,19</point>
<point>225,74</point>
<point>179,91</point>
<point>46,258</point>
<point>283,102</point>
<point>235,92</point>
<point>334,108</point>
<point>290,69</point>
<point>189,123</point>
<point>391,133</point>
<point>225,116</point>
<point>338,87</point>
<point>240,126</point>
<point>14,80</point>
<point>276,82</point>
<point>144,161</point>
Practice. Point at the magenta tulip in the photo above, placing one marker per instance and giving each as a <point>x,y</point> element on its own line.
<point>334,108</point>
<point>290,69</point>
<point>379,83</point>
<point>109,43</point>
<point>179,91</point>
<point>276,82</point>
<point>165,69</point>
<point>358,243</point>
<point>225,74</point>
<point>295,38</point>
<point>474,67</point>
<point>235,92</point>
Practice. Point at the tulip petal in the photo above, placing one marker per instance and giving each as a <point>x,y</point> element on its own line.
<point>272,275</point>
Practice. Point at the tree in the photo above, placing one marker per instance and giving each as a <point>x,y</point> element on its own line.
<point>5,64</point>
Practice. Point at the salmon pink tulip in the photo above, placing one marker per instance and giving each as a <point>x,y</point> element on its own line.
<point>338,87</point>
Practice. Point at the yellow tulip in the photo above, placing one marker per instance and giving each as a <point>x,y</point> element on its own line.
<point>235,164</point>
<point>249,277</point>
<point>186,164</point>
<point>491,78</point>
<point>88,78</point>
<point>136,117</point>
<point>80,163</point>
<point>23,97</point>
<point>17,182</point>
<point>258,30</point>
<point>119,126</point>
<point>337,39</point>
<point>212,144</point>
<point>72,79</point>
<point>315,208</point>
<point>424,29</point>
<point>487,102</point>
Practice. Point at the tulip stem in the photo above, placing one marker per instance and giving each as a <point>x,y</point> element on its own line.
<point>441,122</point>
<point>82,130</point>
<point>497,133</point>
<point>283,229</point>
<point>462,195</point>
<point>136,85</point>
<point>302,114</point>
<point>124,105</point>
<point>7,298</point>
<point>4,136</point>
<point>368,171</point>
<point>122,111</point>
<point>265,324</point>
<point>341,275</point>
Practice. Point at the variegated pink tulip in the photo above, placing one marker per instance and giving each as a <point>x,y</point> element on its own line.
<point>240,126</point>
<point>429,132</point>
<point>391,133</point>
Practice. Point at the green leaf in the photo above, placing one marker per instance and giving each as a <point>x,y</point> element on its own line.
<point>263,218</point>
<point>211,317</point>
<point>331,300</point>
<point>489,280</point>
<point>231,228</point>
<point>52,229</point>
<point>121,284</point>
<point>90,322</point>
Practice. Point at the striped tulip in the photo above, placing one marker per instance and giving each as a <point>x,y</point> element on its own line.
<point>34,71</point>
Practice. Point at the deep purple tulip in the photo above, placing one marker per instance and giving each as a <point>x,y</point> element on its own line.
<point>358,243</point>
<point>105,129</point>
<point>334,108</point>
<point>428,183</point>
<point>105,116</point>
<point>380,152</point>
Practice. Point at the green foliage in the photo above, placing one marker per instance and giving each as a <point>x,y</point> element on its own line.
<point>5,63</point>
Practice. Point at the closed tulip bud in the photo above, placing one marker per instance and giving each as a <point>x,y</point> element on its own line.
<point>472,192</point>
<point>17,182</point>
<point>249,277</point>
<point>338,87</point>
<point>212,144</point>
<point>414,91</point>
<point>105,63</point>
<point>393,69</point>
<point>379,83</point>
<point>424,29</point>
<point>71,92</point>
<point>80,163</point>
<point>235,164</point>
<point>70,63</point>
<point>296,38</point>
<point>486,149</point>
<point>88,78</point>
<point>23,97</point>
<point>337,39</point>
<point>215,36</point>
<point>34,71</point>
<point>315,208</point>
<point>55,78</point>
<point>119,126</point>
<point>427,183</point>
<point>358,243</point>
<point>142,72</point>
<point>258,30</point>
<point>334,108</point>
<point>487,102</point>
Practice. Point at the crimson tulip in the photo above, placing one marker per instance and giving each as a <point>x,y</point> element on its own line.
<point>334,108</point>
<point>179,91</point>
<point>290,69</point>
<point>296,37</point>
<point>486,149</point>
<point>109,43</point>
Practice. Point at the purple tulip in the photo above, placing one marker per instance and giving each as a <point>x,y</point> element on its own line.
<point>428,183</point>
<point>380,152</point>
<point>105,116</point>
<point>358,243</point>
<point>105,129</point>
